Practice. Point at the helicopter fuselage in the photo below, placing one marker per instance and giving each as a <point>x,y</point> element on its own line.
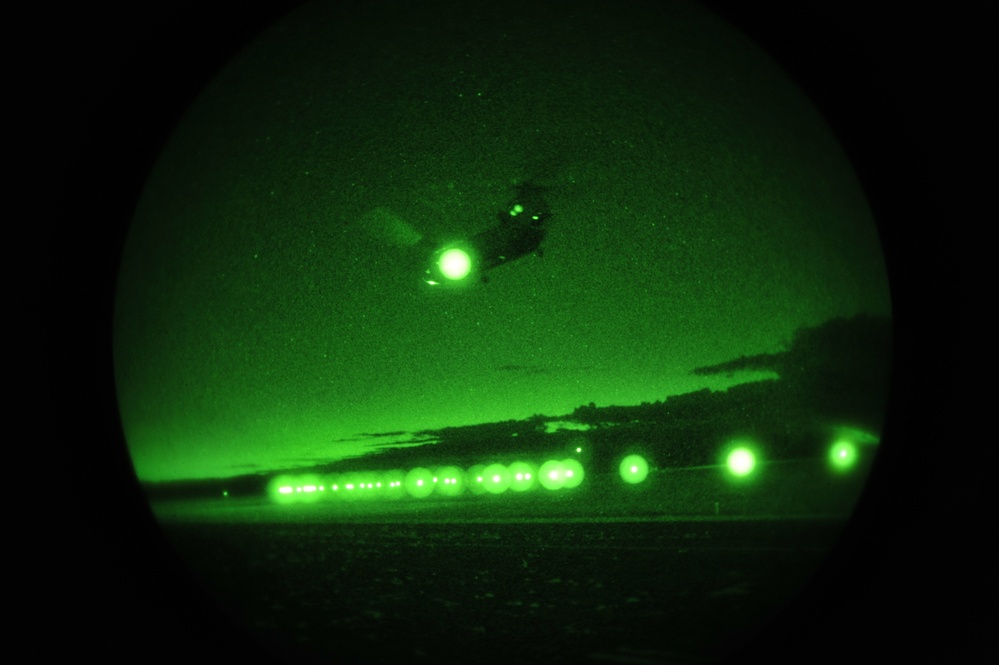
<point>520,231</point>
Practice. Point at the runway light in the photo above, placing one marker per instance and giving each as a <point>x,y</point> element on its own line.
<point>551,475</point>
<point>741,462</point>
<point>573,474</point>
<point>451,481</point>
<point>309,487</point>
<point>842,456</point>
<point>497,478</point>
<point>419,483</point>
<point>633,469</point>
<point>522,476</point>
<point>476,479</point>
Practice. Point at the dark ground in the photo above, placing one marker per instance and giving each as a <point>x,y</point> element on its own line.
<point>658,592</point>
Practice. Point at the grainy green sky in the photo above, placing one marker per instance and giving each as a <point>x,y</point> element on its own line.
<point>701,210</point>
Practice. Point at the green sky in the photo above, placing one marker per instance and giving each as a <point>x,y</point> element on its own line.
<point>701,210</point>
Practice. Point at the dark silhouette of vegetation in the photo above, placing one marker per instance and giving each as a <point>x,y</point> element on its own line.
<point>839,369</point>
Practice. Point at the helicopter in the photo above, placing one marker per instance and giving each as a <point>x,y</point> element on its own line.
<point>520,230</point>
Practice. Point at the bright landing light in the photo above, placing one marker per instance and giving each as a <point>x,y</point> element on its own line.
<point>455,264</point>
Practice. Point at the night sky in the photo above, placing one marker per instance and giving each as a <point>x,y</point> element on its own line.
<point>265,318</point>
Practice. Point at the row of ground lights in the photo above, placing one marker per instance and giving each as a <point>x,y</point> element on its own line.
<point>422,482</point>
<point>741,461</point>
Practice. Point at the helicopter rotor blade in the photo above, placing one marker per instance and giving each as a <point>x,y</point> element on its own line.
<point>388,227</point>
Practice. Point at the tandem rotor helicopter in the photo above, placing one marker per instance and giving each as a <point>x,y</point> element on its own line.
<point>520,230</point>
